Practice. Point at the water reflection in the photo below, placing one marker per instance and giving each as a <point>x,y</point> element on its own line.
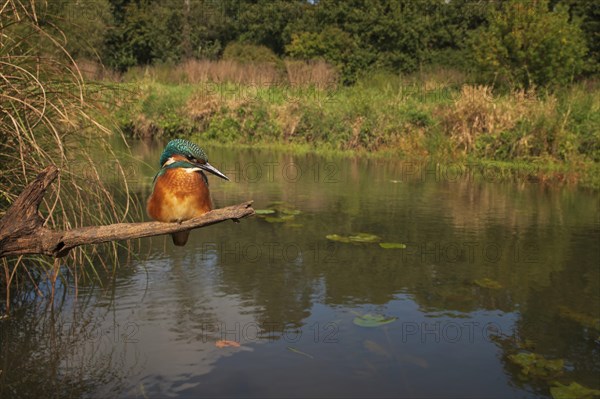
<point>63,348</point>
<point>290,296</point>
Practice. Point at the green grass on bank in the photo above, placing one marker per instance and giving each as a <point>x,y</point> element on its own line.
<point>438,116</point>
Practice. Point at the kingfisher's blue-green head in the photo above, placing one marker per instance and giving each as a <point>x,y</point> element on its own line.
<point>183,153</point>
<point>182,147</point>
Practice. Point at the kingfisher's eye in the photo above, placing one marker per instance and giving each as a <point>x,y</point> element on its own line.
<point>190,157</point>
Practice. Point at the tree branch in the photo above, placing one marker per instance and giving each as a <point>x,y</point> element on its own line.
<point>22,231</point>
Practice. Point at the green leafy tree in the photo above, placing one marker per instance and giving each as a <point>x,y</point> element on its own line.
<point>332,45</point>
<point>250,53</point>
<point>528,44</point>
<point>398,36</point>
<point>587,13</point>
<point>80,25</point>
<point>448,28</point>
<point>212,25</point>
<point>265,22</point>
<point>146,31</point>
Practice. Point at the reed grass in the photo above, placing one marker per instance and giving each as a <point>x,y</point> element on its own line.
<point>47,118</point>
<point>294,73</point>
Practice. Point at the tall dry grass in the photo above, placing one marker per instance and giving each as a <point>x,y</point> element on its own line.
<point>477,112</point>
<point>311,73</point>
<point>229,71</point>
<point>318,74</point>
<point>91,70</point>
<point>46,118</point>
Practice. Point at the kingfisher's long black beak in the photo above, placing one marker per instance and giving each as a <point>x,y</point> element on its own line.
<point>209,168</point>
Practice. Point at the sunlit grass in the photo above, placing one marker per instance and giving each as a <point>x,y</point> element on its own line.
<point>437,114</point>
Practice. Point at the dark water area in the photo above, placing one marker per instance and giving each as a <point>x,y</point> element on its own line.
<point>492,273</point>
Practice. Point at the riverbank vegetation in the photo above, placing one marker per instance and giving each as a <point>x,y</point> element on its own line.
<point>510,82</point>
<point>437,115</point>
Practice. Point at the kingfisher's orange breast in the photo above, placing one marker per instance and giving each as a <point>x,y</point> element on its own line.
<point>179,194</point>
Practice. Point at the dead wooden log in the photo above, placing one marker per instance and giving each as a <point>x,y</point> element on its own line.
<point>22,231</point>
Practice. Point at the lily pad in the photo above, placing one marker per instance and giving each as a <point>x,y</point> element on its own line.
<point>278,212</point>
<point>487,283</point>
<point>264,211</point>
<point>574,390</point>
<point>292,212</point>
<point>338,238</point>
<point>373,320</point>
<point>357,238</point>
<point>280,206</point>
<point>392,245</point>
<point>537,366</point>
<point>365,237</point>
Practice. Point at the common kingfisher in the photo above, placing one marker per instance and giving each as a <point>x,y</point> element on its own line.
<point>180,189</point>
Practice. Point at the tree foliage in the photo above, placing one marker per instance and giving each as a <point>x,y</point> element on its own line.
<point>525,41</point>
<point>528,44</point>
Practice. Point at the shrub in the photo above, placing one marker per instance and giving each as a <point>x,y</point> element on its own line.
<point>249,53</point>
<point>332,45</point>
<point>526,44</point>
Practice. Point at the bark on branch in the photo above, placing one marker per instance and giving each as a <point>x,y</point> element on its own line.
<point>22,230</point>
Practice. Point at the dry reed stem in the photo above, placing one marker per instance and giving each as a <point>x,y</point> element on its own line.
<point>45,116</point>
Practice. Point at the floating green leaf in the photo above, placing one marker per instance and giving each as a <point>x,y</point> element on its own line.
<point>280,206</point>
<point>338,238</point>
<point>292,212</point>
<point>264,211</point>
<point>278,212</point>
<point>365,237</point>
<point>488,283</point>
<point>392,245</point>
<point>537,366</point>
<point>357,238</point>
<point>574,390</point>
<point>373,320</point>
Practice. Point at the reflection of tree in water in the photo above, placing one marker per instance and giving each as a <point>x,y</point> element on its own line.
<point>281,291</point>
<point>561,320</point>
<point>545,269</point>
<point>42,353</point>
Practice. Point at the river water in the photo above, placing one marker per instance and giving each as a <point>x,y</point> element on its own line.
<point>492,272</point>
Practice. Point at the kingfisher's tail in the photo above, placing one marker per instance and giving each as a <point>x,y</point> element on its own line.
<point>180,238</point>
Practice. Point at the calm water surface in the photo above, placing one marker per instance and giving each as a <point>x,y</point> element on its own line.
<point>489,270</point>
